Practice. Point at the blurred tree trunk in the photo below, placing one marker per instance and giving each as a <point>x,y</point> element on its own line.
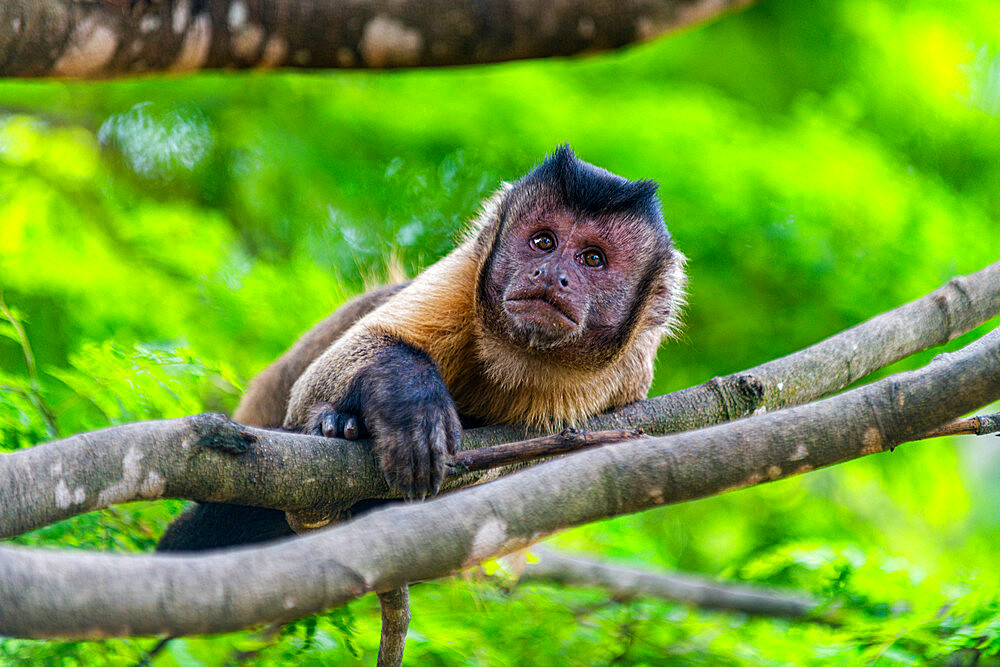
<point>109,38</point>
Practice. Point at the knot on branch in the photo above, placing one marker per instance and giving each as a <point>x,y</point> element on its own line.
<point>739,395</point>
<point>988,424</point>
<point>219,432</point>
<point>953,292</point>
<point>751,388</point>
<point>570,434</point>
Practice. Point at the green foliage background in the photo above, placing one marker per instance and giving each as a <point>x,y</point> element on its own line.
<point>163,239</point>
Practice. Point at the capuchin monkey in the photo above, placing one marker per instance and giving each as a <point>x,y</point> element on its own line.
<point>550,311</point>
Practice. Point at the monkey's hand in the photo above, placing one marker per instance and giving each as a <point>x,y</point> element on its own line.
<point>399,399</point>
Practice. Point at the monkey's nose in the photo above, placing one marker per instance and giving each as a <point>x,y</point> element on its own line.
<point>550,278</point>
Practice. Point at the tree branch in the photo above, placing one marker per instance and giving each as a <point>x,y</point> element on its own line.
<point>626,583</point>
<point>395,606</point>
<point>207,457</point>
<point>99,39</point>
<point>981,425</point>
<point>51,594</point>
<point>525,451</point>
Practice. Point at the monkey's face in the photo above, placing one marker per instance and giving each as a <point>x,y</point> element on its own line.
<point>569,284</point>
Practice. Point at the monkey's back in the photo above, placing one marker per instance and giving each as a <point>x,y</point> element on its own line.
<point>266,400</point>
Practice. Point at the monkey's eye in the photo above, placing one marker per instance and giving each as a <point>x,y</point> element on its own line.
<point>544,241</point>
<point>592,257</point>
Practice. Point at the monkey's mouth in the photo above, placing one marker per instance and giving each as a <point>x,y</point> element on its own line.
<point>541,311</point>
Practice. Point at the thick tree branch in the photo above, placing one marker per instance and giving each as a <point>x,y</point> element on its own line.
<point>209,458</point>
<point>626,583</point>
<point>107,38</point>
<point>50,594</point>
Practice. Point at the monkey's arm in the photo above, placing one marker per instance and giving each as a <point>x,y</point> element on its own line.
<point>266,400</point>
<point>394,391</point>
<point>391,386</point>
<point>217,525</point>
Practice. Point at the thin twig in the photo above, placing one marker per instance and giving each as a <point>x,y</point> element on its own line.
<point>625,583</point>
<point>568,440</point>
<point>981,425</point>
<point>153,652</point>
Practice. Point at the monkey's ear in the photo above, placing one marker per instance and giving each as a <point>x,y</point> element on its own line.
<point>484,227</point>
<point>669,296</point>
<point>660,307</point>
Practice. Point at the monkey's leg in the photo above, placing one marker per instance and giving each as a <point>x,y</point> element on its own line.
<point>217,525</point>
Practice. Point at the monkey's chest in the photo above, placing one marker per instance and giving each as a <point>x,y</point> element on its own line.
<point>526,399</point>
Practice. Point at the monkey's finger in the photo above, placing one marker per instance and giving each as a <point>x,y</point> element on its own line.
<point>394,450</point>
<point>328,426</point>
<point>413,474</point>
<point>438,450</point>
<point>422,457</point>
<point>454,432</point>
<point>351,428</point>
<point>361,425</point>
<point>400,477</point>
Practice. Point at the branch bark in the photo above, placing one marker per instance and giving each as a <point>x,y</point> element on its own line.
<point>100,39</point>
<point>209,458</point>
<point>52,594</point>
<point>395,606</point>
<point>627,583</point>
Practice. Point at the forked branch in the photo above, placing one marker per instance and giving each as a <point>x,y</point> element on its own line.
<point>53,594</point>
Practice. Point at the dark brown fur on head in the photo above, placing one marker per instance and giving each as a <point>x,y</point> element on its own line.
<point>551,300</point>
